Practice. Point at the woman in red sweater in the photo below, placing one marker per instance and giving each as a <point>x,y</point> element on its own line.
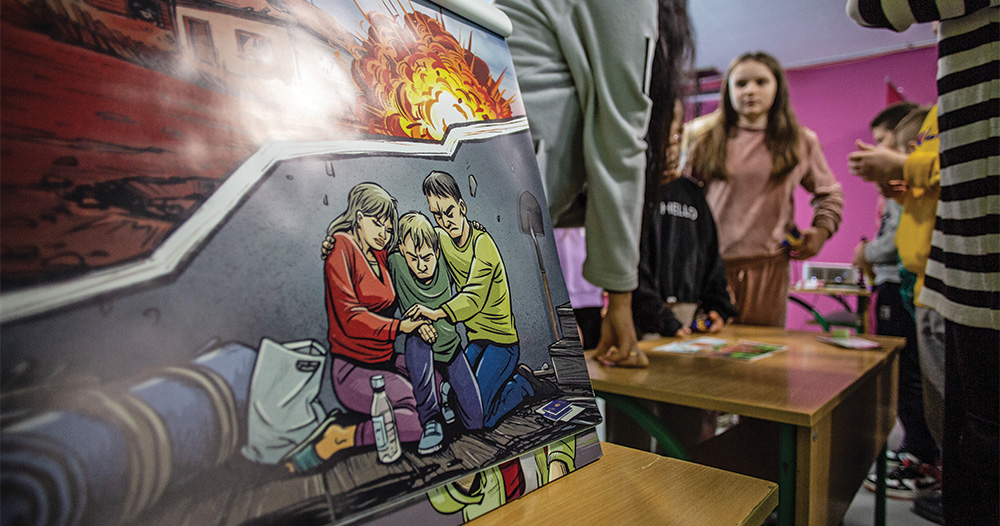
<point>360,302</point>
<point>751,155</point>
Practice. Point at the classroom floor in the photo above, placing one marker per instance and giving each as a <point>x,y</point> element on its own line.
<point>898,512</point>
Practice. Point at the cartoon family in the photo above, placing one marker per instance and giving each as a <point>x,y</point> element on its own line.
<point>378,264</point>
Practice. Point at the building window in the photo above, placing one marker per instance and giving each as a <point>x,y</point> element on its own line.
<point>252,46</point>
<point>147,11</point>
<point>199,36</point>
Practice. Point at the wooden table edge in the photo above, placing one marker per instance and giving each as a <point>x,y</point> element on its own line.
<point>846,291</point>
<point>781,416</point>
<point>617,457</point>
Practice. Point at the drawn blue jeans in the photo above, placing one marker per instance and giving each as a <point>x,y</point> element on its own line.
<point>501,389</point>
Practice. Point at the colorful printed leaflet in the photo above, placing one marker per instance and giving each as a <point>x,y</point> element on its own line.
<point>850,342</point>
<point>716,347</point>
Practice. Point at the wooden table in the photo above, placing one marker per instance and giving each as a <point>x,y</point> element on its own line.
<point>838,293</point>
<point>628,486</point>
<point>831,410</point>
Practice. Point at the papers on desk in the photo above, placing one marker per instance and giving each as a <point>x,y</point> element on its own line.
<point>851,342</point>
<point>745,350</point>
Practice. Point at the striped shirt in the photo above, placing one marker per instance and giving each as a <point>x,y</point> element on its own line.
<point>963,272</point>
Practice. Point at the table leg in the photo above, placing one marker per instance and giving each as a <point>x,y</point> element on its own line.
<point>880,467</point>
<point>648,421</point>
<point>863,314</point>
<point>786,475</point>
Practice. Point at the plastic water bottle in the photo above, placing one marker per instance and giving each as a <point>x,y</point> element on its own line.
<point>384,423</point>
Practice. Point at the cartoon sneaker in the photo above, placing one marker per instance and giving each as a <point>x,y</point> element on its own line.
<point>541,388</point>
<point>431,438</point>
<point>322,444</point>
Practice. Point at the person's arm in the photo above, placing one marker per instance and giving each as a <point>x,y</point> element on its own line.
<point>471,298</point>
<point>895,190</point>
<point>899,15</point>
<point>357,321</point>
<point>923,170</point>
<point>882,249</point>
<point>648,310</point>
<point>619,345</point>
<point>611,70</point>
<point>651,315</point>
<point>827,201</point>
<point>611,73</point>
<point>402,281</point>
<point>715,294</point>
<point>874,163</point>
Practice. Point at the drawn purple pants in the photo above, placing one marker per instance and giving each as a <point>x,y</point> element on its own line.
<point>352,384</point>
<point>465,390</point>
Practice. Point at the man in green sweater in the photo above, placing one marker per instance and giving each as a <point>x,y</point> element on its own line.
<point>482,302</point>
<point>418,280</point>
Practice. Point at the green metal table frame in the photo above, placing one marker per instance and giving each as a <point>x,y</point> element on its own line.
<point>648,421</point>
<point>786,456</point>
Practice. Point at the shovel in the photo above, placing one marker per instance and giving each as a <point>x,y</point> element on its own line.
<point>531,223</point>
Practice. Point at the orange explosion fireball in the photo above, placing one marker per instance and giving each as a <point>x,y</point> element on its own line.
<point>416,79</point>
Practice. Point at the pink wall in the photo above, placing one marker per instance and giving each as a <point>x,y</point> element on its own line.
<point>837,101</point>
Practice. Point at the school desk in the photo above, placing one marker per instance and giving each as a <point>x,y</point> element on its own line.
<point>815,416</point>
<point>628,486</point>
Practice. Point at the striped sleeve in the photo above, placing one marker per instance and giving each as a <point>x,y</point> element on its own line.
<point>898,15</point>
<point>963,272</point>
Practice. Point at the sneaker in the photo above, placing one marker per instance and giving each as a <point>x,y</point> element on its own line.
<point>892,459</point>
<point>431,438</point>
<point>541,388</point>
<point>303,460</point>
<point>907,479</point>
<point>304,457</point>
<point>929,506</point>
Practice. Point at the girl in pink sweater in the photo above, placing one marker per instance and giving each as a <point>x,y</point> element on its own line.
<point>751,155</point>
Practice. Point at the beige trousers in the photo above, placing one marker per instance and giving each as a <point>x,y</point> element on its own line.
<point>759,287</point>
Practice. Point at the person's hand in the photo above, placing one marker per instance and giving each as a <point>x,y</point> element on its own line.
<point>813,239</point>
<point>619,345</point>
<point>407,326</point>
<point>876,164</point>
<point>894,189</point>
<point>428,333</point>
<point>717,322</point>
<point>859,259</point>
<point>418,311</point>
<point>683,332</point>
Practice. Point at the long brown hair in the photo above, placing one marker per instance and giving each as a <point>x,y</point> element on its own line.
<point>672,60</point>
<point>371,200</point>
<point>708,155</point>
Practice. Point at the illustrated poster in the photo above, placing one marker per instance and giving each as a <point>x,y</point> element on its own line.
<point>274,262</point>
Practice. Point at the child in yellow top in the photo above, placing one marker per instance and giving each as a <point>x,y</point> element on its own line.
<point>922,173</point>
<point>919,167</point>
